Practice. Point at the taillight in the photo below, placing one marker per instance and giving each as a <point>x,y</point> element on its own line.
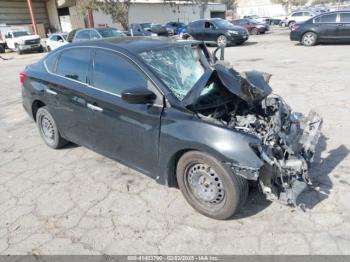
<point>295,27</point>
<point>22,77</point>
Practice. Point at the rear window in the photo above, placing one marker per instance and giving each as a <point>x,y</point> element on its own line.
<point>51,62</point>
<point>74,63</point>
<point>83,35</point>
<point>109,32</point>
<point>297,14</point>
<point>345,17</point>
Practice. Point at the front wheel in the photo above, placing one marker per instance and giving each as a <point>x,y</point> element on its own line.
<point>210,187</point>
<point>18,50</point>
<point>309,39</point>
<point>221,41</point>
<point>48,129</point>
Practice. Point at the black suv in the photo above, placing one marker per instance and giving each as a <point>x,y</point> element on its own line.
<point>329,27</point>
<point>217,30</point>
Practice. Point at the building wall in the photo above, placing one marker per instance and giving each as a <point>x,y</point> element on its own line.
<point>53,16</point>
<point>159,13</point>
<point>16,12</point>
<point>260,7</point>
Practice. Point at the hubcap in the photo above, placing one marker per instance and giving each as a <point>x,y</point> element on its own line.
<point>222,41</point>
<point>309,39</point>
<point>205,184</point>
<point>47,129</point>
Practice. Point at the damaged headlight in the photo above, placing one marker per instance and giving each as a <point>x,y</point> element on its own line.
<point>249,173</point>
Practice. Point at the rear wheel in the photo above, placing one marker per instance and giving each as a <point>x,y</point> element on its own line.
<point>254,31</point>
<point>2,49</point>
<point>209,187</point>
<point>48,129</point>
<point>221,41</point>
<point>309,39</point>
<point>290,24</point>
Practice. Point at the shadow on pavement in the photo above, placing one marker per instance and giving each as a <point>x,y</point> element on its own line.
<point>320,172</point>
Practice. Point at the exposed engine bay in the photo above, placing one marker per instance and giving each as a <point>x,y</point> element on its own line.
<point>245,103</point>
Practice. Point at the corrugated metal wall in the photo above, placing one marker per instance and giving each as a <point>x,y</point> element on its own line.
<point>16,12</point>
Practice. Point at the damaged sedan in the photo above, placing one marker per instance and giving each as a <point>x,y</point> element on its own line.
<point>173,111</point>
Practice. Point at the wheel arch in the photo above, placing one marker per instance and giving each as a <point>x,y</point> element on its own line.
<point>35,106</point>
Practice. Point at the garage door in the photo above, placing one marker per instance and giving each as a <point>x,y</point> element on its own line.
<point>16,12</point>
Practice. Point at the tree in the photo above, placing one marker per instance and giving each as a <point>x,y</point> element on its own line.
<point>117,9</point>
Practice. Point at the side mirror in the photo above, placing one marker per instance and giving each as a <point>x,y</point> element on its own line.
<point>140,95</point>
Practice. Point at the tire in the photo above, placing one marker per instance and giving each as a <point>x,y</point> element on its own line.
<point>309,39</point>
<point>41,49</point>
<point>19,51</point>
<point>221,41</point>
<point>254,31</point>
<point>209,187</point>
<point>48,48</point>
<point>2,49</point>
<point>48,129</point>
<point>290,24</point>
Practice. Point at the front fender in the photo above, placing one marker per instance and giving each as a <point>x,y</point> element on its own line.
<point>226,145</point>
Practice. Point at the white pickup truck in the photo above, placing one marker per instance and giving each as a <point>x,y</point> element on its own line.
<point>20,40</point>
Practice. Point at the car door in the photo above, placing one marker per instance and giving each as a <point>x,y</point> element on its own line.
<point>10,41</point>
<point>126,132</point>
<point>210,31</point>
<point>344,26</point>
<point>65,92</point>
<point>327,26</point>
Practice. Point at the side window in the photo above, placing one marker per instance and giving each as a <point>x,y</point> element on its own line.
<point>114,74</point>
<point>83,35</point>
<point>54,38</point>
<point>51,62</point>
<point>306,14</point>
<point>345,17</point>
<point>208,25</point>
<point>94,35</point>
<point>74,63</point>
<point>297,14</point>
<point>331,18</point>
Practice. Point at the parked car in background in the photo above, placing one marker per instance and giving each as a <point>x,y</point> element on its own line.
<point>217,30</point>
<point>166,109</point>
<point>298,17</point>
<point>21,40</point>
<point>177,27</point>
<point>93,33</point>
<point>162,30</point>
<point>56,40</point>
<point>333,27</point>
<point>139,30</point>
<point>253,27</point>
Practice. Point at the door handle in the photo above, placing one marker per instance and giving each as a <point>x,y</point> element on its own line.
<point>94,108</point>
<point>51,92</point>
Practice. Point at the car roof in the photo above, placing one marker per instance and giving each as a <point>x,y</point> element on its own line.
<point>135,44</point>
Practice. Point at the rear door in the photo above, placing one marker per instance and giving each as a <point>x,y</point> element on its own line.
<point>123,131</point>
<point>327,26</point>
<point>65,92</point>
<point>344,26</point>
<point>196,29</point>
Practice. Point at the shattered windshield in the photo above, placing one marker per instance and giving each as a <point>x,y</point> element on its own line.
<point>179,67</point>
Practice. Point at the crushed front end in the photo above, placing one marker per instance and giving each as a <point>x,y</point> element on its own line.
<point>288,139</point>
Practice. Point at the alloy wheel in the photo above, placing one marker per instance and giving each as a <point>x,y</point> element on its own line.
<point>309,39</point>
<point>221,41</point>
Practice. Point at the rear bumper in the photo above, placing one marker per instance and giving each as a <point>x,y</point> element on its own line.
<point>295,35</point>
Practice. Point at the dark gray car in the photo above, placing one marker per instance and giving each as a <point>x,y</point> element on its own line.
<point>171,111</point>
